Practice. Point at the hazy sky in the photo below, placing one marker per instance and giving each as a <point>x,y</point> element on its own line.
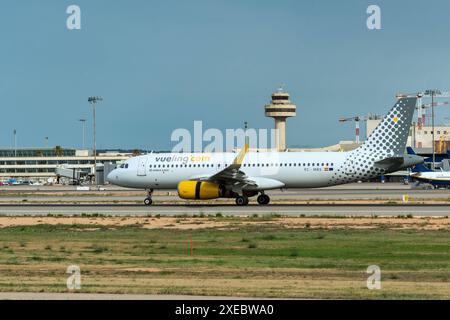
<point>160,65</point>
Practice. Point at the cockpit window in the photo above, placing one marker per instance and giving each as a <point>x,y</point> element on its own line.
<point>124,166</point>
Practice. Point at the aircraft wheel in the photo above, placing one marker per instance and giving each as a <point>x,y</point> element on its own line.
<point>263,199</point>
<point>148,201</point>
<point>241,200</point>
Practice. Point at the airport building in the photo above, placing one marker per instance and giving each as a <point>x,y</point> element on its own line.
<point>43,163</point>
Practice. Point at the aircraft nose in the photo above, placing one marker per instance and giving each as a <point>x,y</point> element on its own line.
<point>112,176</point>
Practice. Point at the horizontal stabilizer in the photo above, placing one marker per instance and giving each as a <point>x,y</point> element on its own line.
<point>421,168</point>
<point>389,162</point>
<point>399,162</point>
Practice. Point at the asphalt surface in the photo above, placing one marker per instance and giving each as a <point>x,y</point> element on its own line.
<point>65,200</point>
<point>232,210</point>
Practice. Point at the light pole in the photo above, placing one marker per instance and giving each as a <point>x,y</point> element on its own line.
<point>46,142</point>
<point>245,131</point>
<point>15,142</point>
<point>432,124</point>
<point>83,122</point>
<point>93,101</point>
<point>432,93</point>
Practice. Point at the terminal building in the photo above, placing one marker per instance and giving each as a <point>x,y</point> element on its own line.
<point>41,164</point>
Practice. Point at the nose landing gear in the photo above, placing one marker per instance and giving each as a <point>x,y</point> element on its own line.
<point>148,201</point>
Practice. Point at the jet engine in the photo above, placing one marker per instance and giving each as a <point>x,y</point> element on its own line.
<point>199,190</point>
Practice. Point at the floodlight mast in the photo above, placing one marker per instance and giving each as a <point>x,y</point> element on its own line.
<point>93,101</point>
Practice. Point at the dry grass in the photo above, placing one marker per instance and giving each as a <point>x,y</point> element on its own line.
<point>304,257</point>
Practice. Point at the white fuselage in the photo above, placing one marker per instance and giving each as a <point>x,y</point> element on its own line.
<point>435,177</point>
<point>293,169</point>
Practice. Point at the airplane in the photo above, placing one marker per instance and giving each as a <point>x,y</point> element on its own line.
<point>422,174</point>
<point>201,176</point>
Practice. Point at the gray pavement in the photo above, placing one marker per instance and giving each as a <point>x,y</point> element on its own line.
<point>65,200</point>
<point>170,210</point>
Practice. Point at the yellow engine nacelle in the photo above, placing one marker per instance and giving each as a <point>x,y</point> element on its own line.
<point>198,190</point>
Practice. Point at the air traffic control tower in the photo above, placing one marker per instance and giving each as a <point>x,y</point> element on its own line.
<point>280,108</point>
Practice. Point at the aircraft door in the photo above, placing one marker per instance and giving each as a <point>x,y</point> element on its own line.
<point>142,166</point>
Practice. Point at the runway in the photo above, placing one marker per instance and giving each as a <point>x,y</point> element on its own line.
<point>112,194</point>
<point>230,210</point>
<point>357,199</point>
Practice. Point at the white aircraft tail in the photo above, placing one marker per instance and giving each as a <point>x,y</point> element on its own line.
<point>384,150</point>
<point>390,136</point>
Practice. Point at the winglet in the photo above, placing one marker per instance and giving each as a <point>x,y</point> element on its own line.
<point>240,157</point>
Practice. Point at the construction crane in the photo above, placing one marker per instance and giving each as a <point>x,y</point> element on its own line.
<point>357,119</point>
<point>421,115</point>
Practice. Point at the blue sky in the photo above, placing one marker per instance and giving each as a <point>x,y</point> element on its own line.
<point>160,65</point>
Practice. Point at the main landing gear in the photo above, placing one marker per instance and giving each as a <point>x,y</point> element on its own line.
<point>148,201</point>
<point>263,199</point>
<point>242,200</point>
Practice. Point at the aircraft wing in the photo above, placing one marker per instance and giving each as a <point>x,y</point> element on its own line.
<point>238,180</point>
<point>232,174</point>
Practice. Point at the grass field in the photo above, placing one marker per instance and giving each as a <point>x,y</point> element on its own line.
<point>247,257</point>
